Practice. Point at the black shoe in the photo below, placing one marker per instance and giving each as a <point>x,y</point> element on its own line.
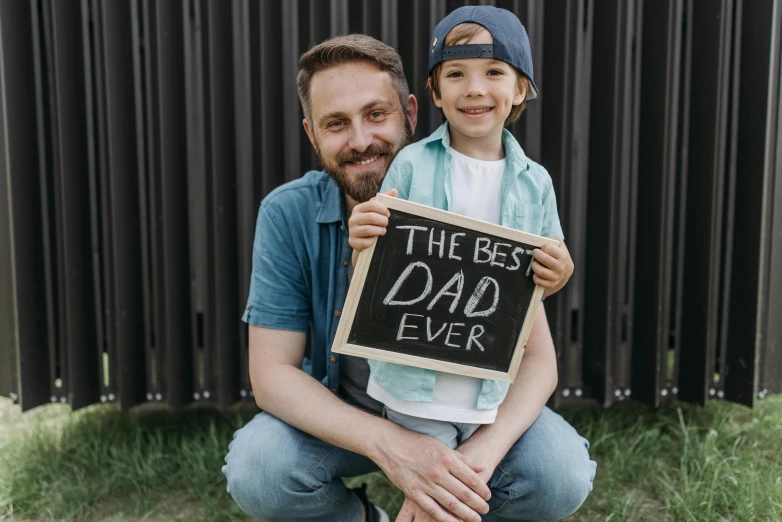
<point>374,513</point>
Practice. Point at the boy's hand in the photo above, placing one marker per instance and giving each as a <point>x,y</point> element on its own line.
<point>552,266</point>
<point>368,220</point>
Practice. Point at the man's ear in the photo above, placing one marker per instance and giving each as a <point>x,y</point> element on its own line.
<point>412,111</point>
<point>308,130</point>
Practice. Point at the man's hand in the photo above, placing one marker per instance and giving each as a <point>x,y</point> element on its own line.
<point>552,266</point>
<point>439,481</point>
<point>368,220</point>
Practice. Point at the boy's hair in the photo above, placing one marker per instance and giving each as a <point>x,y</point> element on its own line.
<point>346,49</point>
<point>462,34</point>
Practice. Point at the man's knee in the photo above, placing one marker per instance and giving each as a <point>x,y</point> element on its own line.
<point>552,469</point>
<point>262,468</point>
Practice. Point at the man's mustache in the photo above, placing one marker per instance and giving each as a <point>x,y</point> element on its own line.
<point>353,156</point>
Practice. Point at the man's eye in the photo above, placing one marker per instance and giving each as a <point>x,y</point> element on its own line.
<point>376,114</point>
<point>335,124</point>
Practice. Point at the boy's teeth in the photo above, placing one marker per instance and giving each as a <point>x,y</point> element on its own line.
<point>475,111</point>
<point>366,161</point>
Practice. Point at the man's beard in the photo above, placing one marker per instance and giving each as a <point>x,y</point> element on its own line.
<point>365,185</point>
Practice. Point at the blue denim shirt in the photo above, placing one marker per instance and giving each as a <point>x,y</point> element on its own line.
<point>421,173</point>
<point>301,257</point>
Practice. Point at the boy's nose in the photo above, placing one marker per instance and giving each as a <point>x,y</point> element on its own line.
<point>475,88</point>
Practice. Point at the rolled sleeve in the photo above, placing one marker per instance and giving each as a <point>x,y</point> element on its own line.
<point>279,296</point>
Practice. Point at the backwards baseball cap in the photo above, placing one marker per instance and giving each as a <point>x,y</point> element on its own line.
<point>511,43</point>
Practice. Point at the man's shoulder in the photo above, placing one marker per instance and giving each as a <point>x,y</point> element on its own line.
<point>298,197</point>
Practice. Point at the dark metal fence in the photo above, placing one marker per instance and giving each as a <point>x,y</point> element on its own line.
<point>138,138</point>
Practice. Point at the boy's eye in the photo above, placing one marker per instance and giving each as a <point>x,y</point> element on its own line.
<point>453,74</point>
<point>495,72</point>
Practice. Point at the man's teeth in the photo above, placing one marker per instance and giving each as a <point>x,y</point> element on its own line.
<point>367,161</point>
<point>476,111</point>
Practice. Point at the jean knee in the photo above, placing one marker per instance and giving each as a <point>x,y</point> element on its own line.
<point>552,469</point>
<point>261,468</point>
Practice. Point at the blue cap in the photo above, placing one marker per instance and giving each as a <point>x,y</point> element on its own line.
<point>511,43</point>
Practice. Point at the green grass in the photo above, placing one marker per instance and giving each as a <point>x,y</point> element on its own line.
<point>719,463</point>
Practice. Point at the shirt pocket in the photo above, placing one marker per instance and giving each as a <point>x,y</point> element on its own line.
<point>528,217</point>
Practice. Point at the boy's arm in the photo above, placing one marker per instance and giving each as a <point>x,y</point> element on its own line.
<point>534,384</point>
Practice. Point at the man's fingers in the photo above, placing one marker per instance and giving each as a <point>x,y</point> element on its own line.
<point>470,479</point>
<point>393,193</point>
<point>437,511</point>
<point>457,508</point>
<point>475,466</point>
<point>464,494</point>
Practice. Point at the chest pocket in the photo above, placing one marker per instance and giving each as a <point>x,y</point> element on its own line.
<point>528,217</point>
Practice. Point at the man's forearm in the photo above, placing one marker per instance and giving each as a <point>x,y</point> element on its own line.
<point>296,398</point>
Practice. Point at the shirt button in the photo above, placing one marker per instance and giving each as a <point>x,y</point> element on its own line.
<point>332,359</point>
<point>337,313</point>
<point>344,262</point>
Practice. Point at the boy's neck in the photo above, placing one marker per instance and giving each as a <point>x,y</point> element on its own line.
<point>486,148</point>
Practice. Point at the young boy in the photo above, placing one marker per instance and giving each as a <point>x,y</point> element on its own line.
<point>480,75</point>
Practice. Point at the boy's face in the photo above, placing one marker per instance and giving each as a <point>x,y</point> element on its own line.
<point>477,94</point>
<point>358,125</point>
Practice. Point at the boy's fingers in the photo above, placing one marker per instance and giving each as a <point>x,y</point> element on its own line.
<point>544,272</point>
<point>367,231</point>
<point>373,205</point>
<point>362,243</point>
<point>552,250</point>
<point>545,283</point>
<point>367,218</point>
<point>546,259</point>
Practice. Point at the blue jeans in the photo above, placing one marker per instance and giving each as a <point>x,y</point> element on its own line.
<point>278,473</point>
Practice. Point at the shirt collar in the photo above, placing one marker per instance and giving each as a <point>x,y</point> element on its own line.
<point>332,204</point>
<point>513,150</point>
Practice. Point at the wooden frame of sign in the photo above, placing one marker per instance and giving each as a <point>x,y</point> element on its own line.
<point>345,341</point>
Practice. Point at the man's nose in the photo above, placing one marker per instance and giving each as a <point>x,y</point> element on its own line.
<point>360,137</point>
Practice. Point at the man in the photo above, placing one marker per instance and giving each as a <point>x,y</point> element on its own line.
<point>287,463</point>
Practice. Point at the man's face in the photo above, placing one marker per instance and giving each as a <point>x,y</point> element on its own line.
<point>358,126</point>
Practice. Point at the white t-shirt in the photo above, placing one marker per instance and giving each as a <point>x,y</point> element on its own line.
<point>476,194</point>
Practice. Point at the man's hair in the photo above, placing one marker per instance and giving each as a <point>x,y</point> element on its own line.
<point>348,49</point>
<point>461,34</point>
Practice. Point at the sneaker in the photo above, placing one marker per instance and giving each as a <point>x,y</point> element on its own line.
<point>374,513</point>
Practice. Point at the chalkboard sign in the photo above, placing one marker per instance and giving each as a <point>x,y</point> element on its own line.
<point>444,292</point>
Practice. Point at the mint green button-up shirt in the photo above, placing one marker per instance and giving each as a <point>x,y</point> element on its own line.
<point>421,173</point>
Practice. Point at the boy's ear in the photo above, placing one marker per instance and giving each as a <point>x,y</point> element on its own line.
<point>521,92</point>
<point>435,99</point>
<point>308,130</point>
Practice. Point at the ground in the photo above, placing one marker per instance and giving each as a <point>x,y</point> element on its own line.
<point>681,462</point>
